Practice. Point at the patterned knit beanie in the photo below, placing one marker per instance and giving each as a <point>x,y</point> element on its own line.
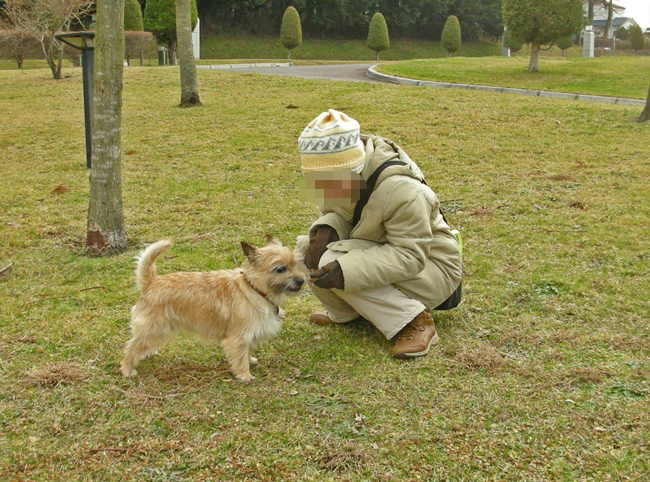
<point>331,142</point>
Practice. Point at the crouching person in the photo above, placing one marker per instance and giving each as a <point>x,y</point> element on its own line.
<point>381,249</point>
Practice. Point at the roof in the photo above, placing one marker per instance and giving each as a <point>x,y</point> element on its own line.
<point>616,22</point>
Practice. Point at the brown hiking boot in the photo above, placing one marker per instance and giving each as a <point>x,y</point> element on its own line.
<point>321,318</point>
<point>416,338</point>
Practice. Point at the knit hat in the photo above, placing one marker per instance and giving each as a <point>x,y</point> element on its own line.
<point>331,142</point>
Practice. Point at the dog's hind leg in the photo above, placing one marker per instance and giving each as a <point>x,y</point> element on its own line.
<point>238,353</point>
<point>146,341</point>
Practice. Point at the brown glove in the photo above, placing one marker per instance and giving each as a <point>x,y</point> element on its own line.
<point>329,276</point>
<point>318,242</point>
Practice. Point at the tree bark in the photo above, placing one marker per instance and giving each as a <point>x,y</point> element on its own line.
<point>106,231</point>
<point>590,12</point>
<point>645,115</point>
<point>185,52</point>
<point>533,65</point>
<point>610,15</point>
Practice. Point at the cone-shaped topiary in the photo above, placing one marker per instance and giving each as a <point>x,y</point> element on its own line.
<point>564,43</point>
<point>636,38</point>
<point>451,35</point>
<point>291,31</point>
<point>133,16</point>
<point>378,34</point>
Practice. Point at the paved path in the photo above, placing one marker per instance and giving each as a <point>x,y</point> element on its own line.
<point>366,73</point>
<point>345,72</point>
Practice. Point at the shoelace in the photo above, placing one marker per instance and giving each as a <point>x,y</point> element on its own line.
<point>409,331</point>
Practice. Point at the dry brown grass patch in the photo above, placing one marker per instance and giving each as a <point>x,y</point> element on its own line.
<point>343,456</point>
<point>56,375</point>
<point>561,177</point>
<point>478,357</point>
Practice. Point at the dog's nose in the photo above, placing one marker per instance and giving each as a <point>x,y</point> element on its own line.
<point>300,281</point>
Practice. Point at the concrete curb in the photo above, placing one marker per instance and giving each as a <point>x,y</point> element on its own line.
<point>373,74</point>
<point>243,66</point>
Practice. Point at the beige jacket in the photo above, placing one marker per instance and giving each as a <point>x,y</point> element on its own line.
<point>401,238</point>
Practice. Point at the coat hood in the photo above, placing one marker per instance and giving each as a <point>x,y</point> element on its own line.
<point>379,151</point>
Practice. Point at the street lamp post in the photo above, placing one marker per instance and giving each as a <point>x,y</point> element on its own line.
<point>84,41</point>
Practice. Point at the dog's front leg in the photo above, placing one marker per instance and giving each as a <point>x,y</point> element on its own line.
<point>238,354</point>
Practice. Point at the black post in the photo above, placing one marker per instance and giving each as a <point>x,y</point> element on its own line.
<point>88,60</point>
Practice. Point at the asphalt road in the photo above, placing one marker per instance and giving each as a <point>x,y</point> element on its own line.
<point>344,72</point>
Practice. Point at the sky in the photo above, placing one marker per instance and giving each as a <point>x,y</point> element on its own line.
<point>639,10</point>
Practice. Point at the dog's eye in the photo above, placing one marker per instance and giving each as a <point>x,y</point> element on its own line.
<point>280,269</point>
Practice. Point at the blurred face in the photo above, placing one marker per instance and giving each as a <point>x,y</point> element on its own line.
<point>331,188</point>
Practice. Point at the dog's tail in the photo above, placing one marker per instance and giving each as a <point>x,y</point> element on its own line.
<point>146,269</point>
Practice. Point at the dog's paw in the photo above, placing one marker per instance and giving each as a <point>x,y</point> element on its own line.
<point>129,373</point>
<point>281,313</point>
<point>254,361</point>
<point>247,377</point>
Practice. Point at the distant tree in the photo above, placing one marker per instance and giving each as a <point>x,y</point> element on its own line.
<point>189,82</point>
<point>14,44</point>
<point>542,23</point>
<point>105,230</point>
<point>512,42</point>
<point>43,19</point>
<point>160,19</point>
<point>565,43</point>
<point>636,38</point>
<point>450,38</point>
<point>133,16</point>
<point>290,31</point>
<point>378,39</point>
<point>622,34</point>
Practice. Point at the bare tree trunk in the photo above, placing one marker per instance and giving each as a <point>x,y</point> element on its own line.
<point>533,65</point>
<point>645,115</point>
<point>590,12</point>
<point>106,231</point>
<point>189,84</point>
<point>610,15</point>
<point>49,56</point>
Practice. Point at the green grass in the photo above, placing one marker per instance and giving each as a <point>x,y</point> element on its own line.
<point>243,47</point>
<point>541,374</point>
<point>611,76</point>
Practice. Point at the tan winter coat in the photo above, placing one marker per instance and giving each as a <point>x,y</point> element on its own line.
<point>401,238</point>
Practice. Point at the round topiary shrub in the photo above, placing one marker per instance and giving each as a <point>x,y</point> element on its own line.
<point>451,35</point>
<point>133,16</point>
<point>291,31</point>
<point>564,43</point>
<point>378,34</point>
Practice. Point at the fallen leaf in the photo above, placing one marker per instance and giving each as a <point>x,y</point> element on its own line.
<point>13,225</point>
<point>6,271</point>
<point>291,106</point>
<point>61,188</point>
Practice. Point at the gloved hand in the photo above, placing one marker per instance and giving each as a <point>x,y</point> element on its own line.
<point>318,242</point>
<point>329,276</point>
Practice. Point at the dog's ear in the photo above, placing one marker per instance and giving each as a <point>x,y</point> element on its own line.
<point>273,240</point>
<point>250,251</point>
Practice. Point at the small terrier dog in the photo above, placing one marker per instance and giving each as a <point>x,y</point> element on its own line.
<point>238,308</point>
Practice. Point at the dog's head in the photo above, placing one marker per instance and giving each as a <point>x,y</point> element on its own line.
<point>273,268</point>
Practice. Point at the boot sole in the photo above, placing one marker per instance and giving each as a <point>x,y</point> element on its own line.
<point>434,340</point>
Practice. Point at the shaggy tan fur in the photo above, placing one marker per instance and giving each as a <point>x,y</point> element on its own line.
<point>238,308</point>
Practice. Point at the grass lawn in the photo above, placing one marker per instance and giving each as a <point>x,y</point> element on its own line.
<point>541,374</point>
<point>244,47</point>
<point>612,76</point>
